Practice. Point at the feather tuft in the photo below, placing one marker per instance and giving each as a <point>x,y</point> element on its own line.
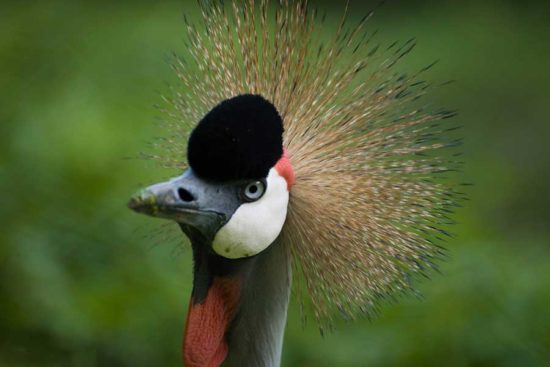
<point>371,195</point>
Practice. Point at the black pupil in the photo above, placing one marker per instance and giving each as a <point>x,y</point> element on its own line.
<point>253,189</point>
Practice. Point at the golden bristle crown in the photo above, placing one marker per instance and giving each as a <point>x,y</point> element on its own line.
<point>370,197</point>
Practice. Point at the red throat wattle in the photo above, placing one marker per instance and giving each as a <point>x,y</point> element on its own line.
<point>205,343</point>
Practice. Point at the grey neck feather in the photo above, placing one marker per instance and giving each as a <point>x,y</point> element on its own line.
<point>256,337</point>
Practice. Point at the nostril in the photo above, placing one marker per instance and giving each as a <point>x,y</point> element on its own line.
<point>185,195</point>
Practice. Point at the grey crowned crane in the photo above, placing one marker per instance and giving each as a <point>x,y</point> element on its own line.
<point>311,159</point>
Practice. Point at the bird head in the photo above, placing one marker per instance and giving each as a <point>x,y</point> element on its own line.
<point>232,204</point>
<point>234,196</point>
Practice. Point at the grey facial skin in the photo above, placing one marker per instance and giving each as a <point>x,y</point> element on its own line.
<point>190,201</point>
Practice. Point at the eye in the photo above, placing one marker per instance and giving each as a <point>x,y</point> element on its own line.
<point>254,191</point>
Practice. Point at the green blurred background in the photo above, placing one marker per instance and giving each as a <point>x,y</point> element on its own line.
<point>82,283</point>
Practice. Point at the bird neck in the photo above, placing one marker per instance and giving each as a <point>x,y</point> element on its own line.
<point>255,294</point>
<point>256,335</point>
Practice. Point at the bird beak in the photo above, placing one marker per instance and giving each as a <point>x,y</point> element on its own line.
<point>187,200</point>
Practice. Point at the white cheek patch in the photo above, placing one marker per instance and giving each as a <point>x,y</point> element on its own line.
<point>254,226</point>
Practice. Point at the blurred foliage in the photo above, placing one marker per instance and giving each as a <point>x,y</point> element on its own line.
<point>82,283</point>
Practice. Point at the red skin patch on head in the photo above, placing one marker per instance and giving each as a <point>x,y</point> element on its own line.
<point>204,342</point>
<point>284,169</point>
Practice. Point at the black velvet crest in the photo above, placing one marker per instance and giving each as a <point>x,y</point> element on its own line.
<point>241,138</point>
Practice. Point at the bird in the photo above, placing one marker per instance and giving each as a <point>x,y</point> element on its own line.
<point>306,164</point>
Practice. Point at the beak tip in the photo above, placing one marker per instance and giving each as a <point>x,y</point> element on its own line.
<point>140,201</point>
<point>144,202</point>
<point>134,203</point>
